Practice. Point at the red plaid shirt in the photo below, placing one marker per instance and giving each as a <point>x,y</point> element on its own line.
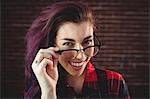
<point>97,84</point>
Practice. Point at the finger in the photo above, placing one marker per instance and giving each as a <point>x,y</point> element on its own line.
<point>55,62</point>
<point>43,53</point>
<point>54,48</point>
<point>53,51</point>
<point>48,53</point>
<point>46,62</point>
<point>41,68</point>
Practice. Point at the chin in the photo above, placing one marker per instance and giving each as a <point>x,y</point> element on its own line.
<point>76,71</point>
<point>74,67</point>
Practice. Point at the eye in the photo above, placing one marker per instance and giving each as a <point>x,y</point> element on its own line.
<point>69,44</point>
<point>87,42</point>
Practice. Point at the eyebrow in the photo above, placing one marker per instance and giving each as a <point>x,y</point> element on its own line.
<point>68,39</point>
<point>87,38</point>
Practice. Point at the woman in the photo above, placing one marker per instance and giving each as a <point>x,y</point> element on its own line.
<point>60,44</point>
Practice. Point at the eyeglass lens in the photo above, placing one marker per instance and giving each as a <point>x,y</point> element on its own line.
<point>90,51</point>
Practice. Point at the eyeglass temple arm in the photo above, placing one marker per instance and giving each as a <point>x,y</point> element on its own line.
<point>96,40</point>
<point>59,52</point>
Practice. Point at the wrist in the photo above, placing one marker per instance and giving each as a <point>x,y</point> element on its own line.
<point>49,94</point>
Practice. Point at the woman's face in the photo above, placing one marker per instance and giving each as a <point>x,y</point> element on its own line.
<point>74,36</point>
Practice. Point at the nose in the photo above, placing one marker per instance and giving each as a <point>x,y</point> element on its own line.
<point>80,54</point>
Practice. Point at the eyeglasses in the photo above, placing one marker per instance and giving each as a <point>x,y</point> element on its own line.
<point>88,51</point>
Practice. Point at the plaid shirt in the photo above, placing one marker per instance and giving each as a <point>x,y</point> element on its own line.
<point>98,84</point>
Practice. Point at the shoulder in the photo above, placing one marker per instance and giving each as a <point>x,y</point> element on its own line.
<point>113,75</point>
<point>109,74</point>
<point>113,83</point>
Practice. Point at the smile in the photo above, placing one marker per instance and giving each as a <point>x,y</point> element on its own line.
<point>76,64</point>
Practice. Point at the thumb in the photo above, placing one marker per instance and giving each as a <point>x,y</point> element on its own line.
<point>55,62</point>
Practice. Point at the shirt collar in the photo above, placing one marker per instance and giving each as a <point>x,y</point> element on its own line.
<point>90,75</point>
<point>90,78</point>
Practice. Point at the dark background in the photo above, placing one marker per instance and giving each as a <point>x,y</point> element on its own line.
<point>122,28</point>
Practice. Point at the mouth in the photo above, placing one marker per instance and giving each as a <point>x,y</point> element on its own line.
<point>76,65</point>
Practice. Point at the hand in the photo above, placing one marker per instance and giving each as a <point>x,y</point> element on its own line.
<point>45,68</point>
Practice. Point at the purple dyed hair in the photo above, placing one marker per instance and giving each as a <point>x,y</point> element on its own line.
<point>43,32</point>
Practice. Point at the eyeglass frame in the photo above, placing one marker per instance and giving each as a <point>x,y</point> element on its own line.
<point>97,45</point>
<point>61,51</point>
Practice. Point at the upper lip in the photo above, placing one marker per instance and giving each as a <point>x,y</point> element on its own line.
<point>77,61</point>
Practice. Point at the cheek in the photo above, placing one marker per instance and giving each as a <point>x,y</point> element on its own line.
<point>65,57</point>
<point>90,52</point>
<point>63,60</point>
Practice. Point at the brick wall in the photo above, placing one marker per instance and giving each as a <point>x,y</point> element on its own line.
<point>122,27</point>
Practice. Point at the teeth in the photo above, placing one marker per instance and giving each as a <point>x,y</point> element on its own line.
<point>76,64</point>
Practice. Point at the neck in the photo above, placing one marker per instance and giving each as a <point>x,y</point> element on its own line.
<point>75,78</point>
<point>76,82</point>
